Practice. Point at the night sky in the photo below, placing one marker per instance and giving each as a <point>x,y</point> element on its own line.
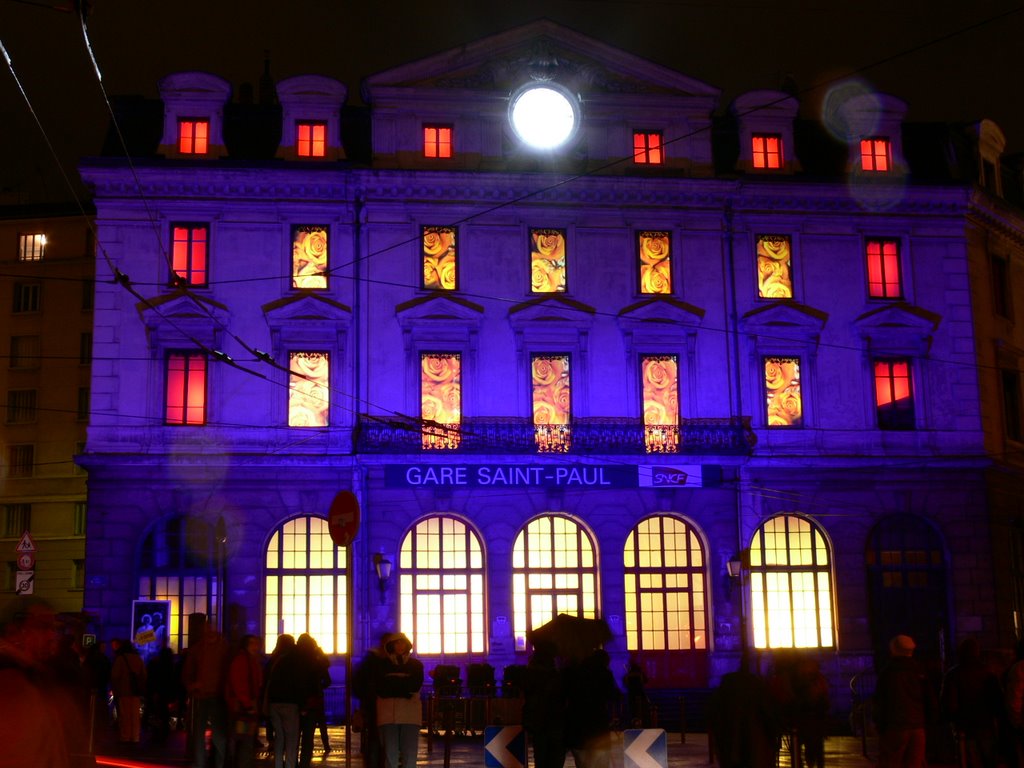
<point>947,59</point>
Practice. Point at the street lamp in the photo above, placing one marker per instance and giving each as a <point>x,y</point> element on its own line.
<point>382,566</point>
<point>737,567</point>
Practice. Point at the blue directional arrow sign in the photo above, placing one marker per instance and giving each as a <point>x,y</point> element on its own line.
<point>645,748</point>
<point>504,746</point>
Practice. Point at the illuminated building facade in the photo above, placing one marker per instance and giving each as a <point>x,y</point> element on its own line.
<point>584,377</point>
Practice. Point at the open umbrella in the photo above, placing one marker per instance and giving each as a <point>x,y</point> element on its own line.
<point>571,637</point>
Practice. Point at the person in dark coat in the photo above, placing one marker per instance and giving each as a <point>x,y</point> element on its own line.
<point>743,720</point>
<point>971,700</point>
<point>204,676</point>
<point>901,708</point>
<point>399,709</point>
<point>311,711</point>
<point>544,708</point>
<point>364,689</point>
<point>161,692</point>
<point>810,710</point>
<point>591,693</point>
<point>635,682</point>
<point>128,682</point>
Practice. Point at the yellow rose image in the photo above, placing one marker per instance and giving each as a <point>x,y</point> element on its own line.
<point>546,276</point>
<point>780,373</point>
<point>314,244</point>
<point>431,276</point>
<point>561,396</point>
<point>546,371</point>
<point>655,413</point>
<point>656,278</point>
<point>438,241</point>
<point>446,272</point>
<point>776,288</point>
<point>546,413</point>
<point>790,405</point>
<point>299,416</point>
<point>450,395</point>
<point>659,374</point>
<point>550,245</point>
<point>439,368</point>
<point>653,248</point>
<point>431,408</point>
<point>776,249</point>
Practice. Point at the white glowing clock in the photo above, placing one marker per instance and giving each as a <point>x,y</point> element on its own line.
<point>544,115</point>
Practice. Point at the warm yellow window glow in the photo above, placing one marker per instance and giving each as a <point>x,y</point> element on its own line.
<point>554,571</point>
<point>655,250</point>
<point>665,584</point>
<point>547,260</point>
<point>309,389</point>
<point>306,585</point>
<point>309,257</point>
<point>552,402</point>
<point>441,603</point>
<point>774,267</point>
<point>439,258</point>
<point>659,378</point>
<point>791,585</point>
<point>441,400</point>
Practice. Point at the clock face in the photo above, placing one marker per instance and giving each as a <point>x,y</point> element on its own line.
<point>543,116</point>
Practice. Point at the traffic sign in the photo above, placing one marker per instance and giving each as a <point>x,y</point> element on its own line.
<point>645,748</point>
<point>24,582</point>
<point>26,560</point>
<point>504,746</point>
<point>26,544</point>
<point>343,518</point>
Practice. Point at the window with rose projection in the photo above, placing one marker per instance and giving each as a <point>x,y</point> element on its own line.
<point>441,400</point>
<point>193,136</point>
<point>309,257</point>
<point>547,260</point>
<point>883,269</point>
<point>655,249</point>
<point>190,253</point>
<point>306,585</point>
<point>441,587</point>
<point>311,139</point>
<point>647,148</point>
<point>554,570</point>
<point>774,267</point>
<point>437,141</point>
<point>309,389</point>
<point>894,397</point>
<point>875,154</point>
<point>784,403</point>
<point>767,150</point>
<point>791,585</point>
<point>552,402</point>
<point>665,582</point>
<point>439,258</point>
<point>660,379</point>
<point>186,388</point>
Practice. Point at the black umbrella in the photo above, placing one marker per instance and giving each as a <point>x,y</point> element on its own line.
<point>571,637</point>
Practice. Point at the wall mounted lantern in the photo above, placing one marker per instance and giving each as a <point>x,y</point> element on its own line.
<point>382,566</point>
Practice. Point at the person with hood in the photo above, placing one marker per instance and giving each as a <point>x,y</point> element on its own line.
<point>399,678</point>
<point>901,708</point>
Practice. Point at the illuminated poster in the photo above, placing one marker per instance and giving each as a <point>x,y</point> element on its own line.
<point>309,257</point>
<point>441,400</point>
<point>661,403</point>
<point>309,392</point>
<point>552,402</point>
<point>655,266</point>
<point>774,267</point>
<point>782,389</point>
<point>150,619</point>
<point>439,258</point>
<point>547,260</point>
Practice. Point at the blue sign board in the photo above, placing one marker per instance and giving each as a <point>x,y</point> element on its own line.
<point>644,748</point>
<point>504,746</point>
<point>555,475</point>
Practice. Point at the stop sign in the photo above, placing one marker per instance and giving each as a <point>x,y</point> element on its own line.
<point>343,518</point>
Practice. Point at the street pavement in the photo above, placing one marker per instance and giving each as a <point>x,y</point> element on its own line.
<point>690,751</point>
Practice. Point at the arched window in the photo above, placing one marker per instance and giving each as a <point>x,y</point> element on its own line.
<point>178,563</point>
<point>665,587</point>
<point>554,571</point>
<point>306,585</point>
<point>791,585</point>
<point>442,587</point>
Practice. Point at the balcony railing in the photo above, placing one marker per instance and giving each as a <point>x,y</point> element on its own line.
<point>511,435</point>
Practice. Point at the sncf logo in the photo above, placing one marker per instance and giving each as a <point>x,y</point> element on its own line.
<point>668,476</point>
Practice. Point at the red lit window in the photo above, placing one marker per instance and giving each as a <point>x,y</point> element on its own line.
<point>647,148</point>
<point>884,269</point>
<point>767,151</point>
<point>437,141</point>
<point>189,251</point>
<point>312,139</point>
<point>875,154</point>
<point>186,388</point>
<point>193,137</point>
<point>893,394</point>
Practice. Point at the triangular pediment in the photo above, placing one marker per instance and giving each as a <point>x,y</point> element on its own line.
<point>181,306</point>
<point>897,317</point>
<point>540,50</point>
<point>661,310</point>
<point>785,321</point>
<point>439,308</point>
<point>551,309</point>
<point>306,307</point>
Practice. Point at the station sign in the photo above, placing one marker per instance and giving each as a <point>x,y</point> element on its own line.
<point>569,475</point>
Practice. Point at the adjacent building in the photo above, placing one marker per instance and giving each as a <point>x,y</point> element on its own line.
<point>580,339</point>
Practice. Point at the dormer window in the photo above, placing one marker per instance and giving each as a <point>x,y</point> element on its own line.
<point>766,150</point>
<point>311,139</point>
<point>437,141</point>
<point>876,154</point>
<point>647,148</point>
<point>193,136</point>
